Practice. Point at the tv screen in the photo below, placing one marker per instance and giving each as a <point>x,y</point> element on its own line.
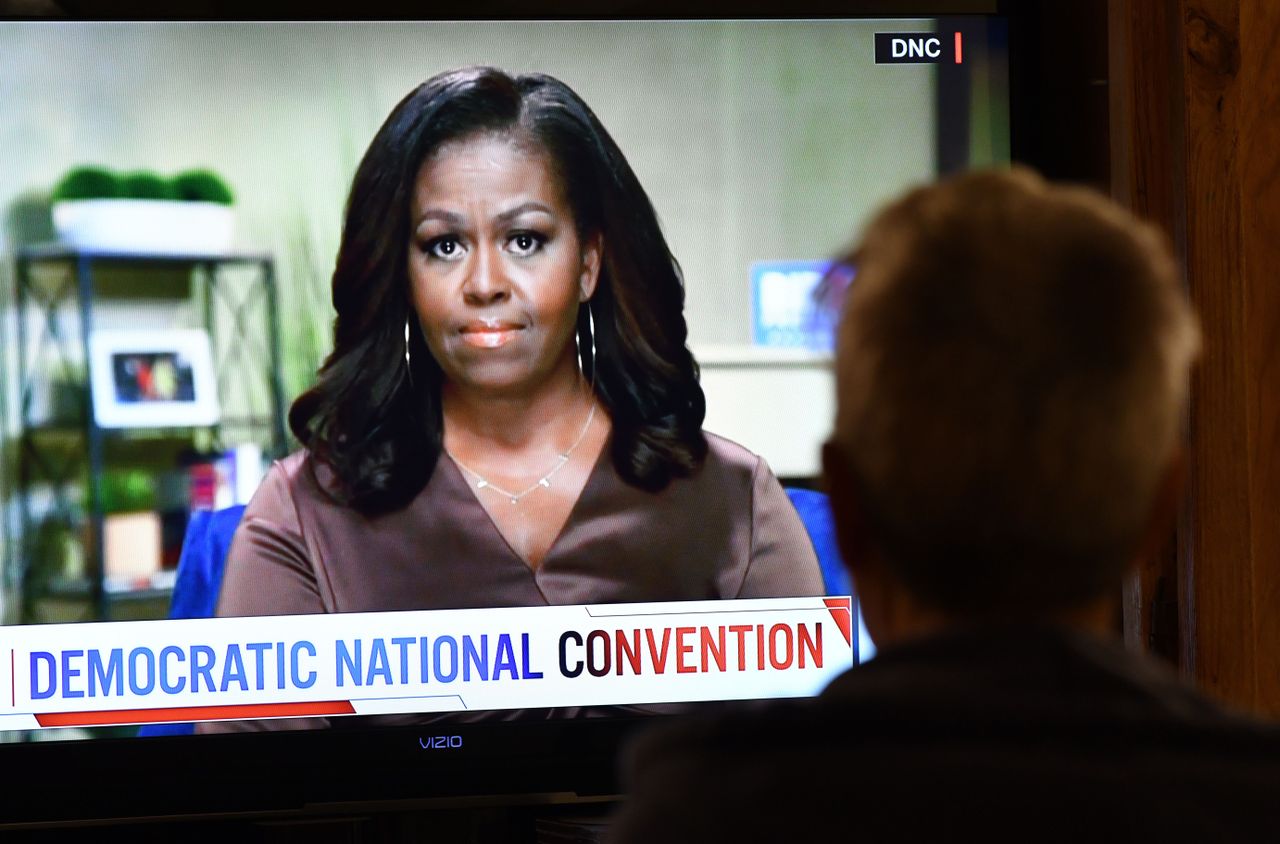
<point>507,542</point>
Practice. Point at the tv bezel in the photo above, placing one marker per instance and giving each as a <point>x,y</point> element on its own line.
<point>1054,75</point>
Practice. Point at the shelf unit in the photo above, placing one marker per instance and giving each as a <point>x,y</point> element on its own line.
<point>232,296</point>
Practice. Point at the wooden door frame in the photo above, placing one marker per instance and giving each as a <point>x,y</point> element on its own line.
<point>1195,147</point>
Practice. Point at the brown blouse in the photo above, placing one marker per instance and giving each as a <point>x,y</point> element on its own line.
<point>729,531</point>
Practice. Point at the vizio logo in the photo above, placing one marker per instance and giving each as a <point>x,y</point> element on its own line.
<point>440,742</point>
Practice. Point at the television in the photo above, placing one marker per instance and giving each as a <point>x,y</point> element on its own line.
<point>763,144</point>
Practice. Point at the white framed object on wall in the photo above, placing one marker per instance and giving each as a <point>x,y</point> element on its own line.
<point>152,378</point>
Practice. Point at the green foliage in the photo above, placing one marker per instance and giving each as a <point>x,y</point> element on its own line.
<point>127,491</point>
<point>202,186</point>
<point>147,185</point>
<point>101,183</point>
<point>88,183</point>
<point>308,338</point>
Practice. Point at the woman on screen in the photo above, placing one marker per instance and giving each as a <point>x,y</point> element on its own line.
<point>510,415</point>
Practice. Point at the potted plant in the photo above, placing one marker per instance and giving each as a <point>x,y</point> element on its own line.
<point>95,209</point>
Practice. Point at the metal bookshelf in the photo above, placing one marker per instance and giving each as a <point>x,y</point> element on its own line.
<point>62,457</point>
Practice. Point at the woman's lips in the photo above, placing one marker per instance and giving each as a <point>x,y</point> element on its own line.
<point>489,335</point>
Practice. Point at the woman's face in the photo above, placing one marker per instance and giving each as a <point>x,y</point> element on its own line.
<point>496,267</point>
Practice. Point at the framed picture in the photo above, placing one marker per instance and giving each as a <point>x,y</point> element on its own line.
<point>152,379</point>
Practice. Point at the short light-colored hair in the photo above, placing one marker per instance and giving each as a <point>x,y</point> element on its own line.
<point>1012,365</point>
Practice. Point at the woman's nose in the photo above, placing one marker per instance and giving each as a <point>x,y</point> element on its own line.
<point>486,282</point>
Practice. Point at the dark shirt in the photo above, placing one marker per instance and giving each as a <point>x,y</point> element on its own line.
<point>1032,734</point>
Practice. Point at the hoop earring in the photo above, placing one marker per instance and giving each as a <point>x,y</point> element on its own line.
<point>577,349</point>
<point>408,365</point>
<point>577,342</point>
<point>591,327</point>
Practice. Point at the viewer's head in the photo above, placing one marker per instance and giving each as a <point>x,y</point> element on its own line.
<point>1011,369</point>
<point>426,242</point>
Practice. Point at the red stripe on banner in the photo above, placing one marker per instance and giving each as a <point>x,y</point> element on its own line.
<point>959,49</point>
<point>193,713</point>
<point>842,611</point>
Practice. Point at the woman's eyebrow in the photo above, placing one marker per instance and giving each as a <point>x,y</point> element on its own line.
<point>511,213</point>
<point>440,214</point>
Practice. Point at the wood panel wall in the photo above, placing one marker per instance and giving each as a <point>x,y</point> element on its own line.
<point>1195,114</point>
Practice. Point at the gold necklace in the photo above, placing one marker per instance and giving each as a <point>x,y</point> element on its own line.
<point>545,481</point>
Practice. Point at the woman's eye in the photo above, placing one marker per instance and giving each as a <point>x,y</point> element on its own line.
<point>444,248</point>
<point>525,243</point>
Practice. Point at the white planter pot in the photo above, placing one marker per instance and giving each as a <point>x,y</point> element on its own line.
<point>145,226</point>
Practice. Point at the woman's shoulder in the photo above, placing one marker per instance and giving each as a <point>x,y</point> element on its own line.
<point>291,464</point>
<point>731,465</point>
<point>726,454</point>
<point>291,470</point>
<point>297,478</point>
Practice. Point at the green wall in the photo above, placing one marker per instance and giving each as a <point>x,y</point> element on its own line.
<point>755,140</point>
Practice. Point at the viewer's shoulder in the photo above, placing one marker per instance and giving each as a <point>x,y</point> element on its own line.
<point>744,729</point>
<point>741,775</point>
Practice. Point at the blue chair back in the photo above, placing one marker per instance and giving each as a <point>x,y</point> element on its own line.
<point>815,512</point>
<point>204,555</point>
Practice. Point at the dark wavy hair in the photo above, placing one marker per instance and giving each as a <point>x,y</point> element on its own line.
<point>376,424</point>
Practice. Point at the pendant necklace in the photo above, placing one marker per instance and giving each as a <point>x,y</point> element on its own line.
<point>544,481</point>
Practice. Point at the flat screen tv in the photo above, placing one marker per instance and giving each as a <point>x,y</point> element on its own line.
<point>762,145</point>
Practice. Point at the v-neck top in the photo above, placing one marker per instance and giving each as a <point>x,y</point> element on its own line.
<point>728,531</point>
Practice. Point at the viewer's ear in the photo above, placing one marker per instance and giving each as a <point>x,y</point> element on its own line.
<point>881,602</point>
<point>846,507</point>
<point>592,255</point>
